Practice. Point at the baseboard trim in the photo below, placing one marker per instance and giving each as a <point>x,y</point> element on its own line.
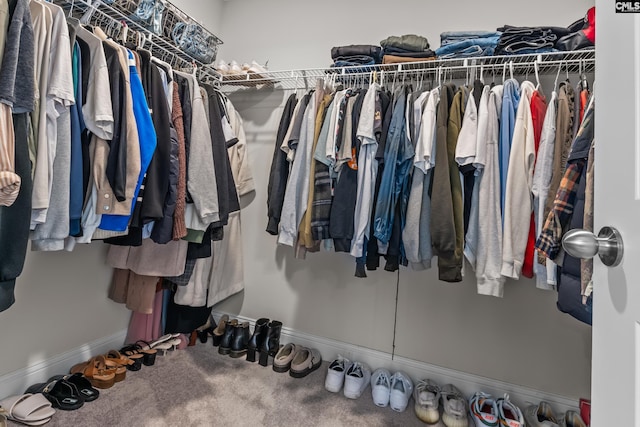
<point>17,381</point>
<point>467,383</point>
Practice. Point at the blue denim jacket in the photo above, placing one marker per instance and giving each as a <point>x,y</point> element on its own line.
<point>398,158</point>
<point>510,100</point>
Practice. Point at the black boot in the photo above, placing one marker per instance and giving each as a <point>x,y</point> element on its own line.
<point>227,338</point>
<point>259,334</point>
<point>240,340</point>
<point>271,343</point>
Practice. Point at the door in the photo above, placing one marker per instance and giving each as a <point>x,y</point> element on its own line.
<point>616,321</point>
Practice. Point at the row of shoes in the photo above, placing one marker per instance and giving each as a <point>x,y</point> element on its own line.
<point>436,405</point>
<point>70,392</point>
<point>233,338</point>
<point>234,69</point>
<point>353,378</point>
<point>485,410</point>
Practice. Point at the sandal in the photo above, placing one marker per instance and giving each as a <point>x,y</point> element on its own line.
<point>29,409</point>
<point>132,364</point>
<point>134,351</point>
<point>62,394</point>
<point>86,390</point>
<point>97,372</point>
<point>305,361</point>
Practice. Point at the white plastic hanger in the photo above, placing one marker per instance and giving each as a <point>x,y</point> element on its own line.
<point>555,83</point>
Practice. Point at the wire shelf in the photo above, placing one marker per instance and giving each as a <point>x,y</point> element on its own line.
<point>547,63</point>
<point>114,18</point>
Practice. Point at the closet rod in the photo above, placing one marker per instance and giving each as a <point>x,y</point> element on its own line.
<point>114,22</point>
<point>583,60</point>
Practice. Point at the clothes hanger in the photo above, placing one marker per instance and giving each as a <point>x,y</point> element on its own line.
<point>482,73</point>
<point>555,83</point>
<point>511,69</point>
<point>504,71</point>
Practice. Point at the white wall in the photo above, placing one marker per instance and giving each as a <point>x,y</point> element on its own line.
<point>522,339</point>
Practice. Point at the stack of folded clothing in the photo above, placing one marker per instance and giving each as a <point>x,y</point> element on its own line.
<point>356,55</point>
<point>467,44</point>
<point>407,48</point>
<point>521,40</point>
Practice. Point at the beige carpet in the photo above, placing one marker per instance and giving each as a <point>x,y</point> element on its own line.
<point>199,387</point>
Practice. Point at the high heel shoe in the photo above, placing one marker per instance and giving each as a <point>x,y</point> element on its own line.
<point>259,334</point>
<point>207,329</point>
<point>97,372</point>
<point>148,355</point>
<point>170,345</point>
<point>218,331</point>
<point>271,343</point>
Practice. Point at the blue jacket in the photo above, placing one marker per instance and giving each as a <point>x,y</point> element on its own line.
<point>510,101</point>
<point>147,138</point>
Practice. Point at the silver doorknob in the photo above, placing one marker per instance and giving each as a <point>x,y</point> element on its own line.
<point>584,244</point>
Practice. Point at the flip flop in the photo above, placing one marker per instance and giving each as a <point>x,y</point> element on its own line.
<point>62,394</point>
<point>29,409</point>
<point>85,389</point>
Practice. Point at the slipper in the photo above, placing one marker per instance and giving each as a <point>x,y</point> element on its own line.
<point>304,362</point>
<point>82,384</point>
<point>29,409</point>
<point>60,393</point>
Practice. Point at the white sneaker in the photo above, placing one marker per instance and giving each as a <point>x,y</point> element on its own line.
<point>484,410</point>
<point>401,389</point>
<point>221,66</point>
<point>381,387</point>
<point>356,380</point>
<point>235,68</point>
<point>572,419</point>
<point>509,414</point>
<point>335,374</point>
<point>455,407</point>
<point>540,415</point>
<point>426,397</point>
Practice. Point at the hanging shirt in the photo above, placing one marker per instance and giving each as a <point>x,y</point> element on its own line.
<point>518,204</point>
<point>370,121</point>
<point>50,235</point>
<point>544,269</point>
<point>479,163</point>
<point>489,247</point>
<point>297,192</point>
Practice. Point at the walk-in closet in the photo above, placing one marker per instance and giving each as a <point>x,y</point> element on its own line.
<point>280,213</point>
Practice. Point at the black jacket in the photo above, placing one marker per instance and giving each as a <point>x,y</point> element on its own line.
<point>279,172</point>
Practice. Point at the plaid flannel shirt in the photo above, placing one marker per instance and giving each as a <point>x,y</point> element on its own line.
<point>549,242</point>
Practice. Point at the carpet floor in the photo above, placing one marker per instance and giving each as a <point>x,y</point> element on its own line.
<point>199,387</point>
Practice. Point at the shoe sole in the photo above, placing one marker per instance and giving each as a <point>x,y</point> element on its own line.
<point>451,421</point>
<point>302,374</point>
<point>224,350</point>
<point>237,354</point>
<point>427,415</point>
<point>281,369</point>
